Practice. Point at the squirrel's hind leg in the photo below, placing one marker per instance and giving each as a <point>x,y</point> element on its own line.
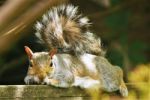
<point>123,89</point>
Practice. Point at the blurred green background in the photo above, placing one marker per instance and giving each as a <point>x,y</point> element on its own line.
<point>123,25</point>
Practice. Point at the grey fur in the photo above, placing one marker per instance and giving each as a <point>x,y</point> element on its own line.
<point>84,71</point>
<point>110,77</point>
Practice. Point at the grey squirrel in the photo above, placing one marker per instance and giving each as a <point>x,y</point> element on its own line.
<point>66,70</point>
<point>62,27</point>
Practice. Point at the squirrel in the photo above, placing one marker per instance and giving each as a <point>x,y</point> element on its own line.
<point>80,62</point>
<point>64,28</point>
<point>66,70</point>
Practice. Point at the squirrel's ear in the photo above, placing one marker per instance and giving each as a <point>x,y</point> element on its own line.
<point>28,51</point>
<point>53,52</point>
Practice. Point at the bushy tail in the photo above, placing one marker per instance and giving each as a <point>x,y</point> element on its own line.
<point>64,27</point>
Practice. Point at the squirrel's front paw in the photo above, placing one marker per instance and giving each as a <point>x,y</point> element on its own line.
<point>50,81</point>
<point>31,80</point>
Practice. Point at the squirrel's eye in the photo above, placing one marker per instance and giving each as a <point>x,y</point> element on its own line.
<point>51,64</point>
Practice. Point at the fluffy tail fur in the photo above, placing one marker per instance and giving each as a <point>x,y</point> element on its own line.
<point>64,27</point>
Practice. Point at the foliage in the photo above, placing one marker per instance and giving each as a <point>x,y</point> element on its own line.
<point>118,24</point>
<point>136,54</point>
<point>141,77</point>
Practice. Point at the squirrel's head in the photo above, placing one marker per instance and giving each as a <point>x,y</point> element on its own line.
<point>40,65</point>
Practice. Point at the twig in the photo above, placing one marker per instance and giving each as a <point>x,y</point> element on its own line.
<point>13,32</point>
<point>12,9</point>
